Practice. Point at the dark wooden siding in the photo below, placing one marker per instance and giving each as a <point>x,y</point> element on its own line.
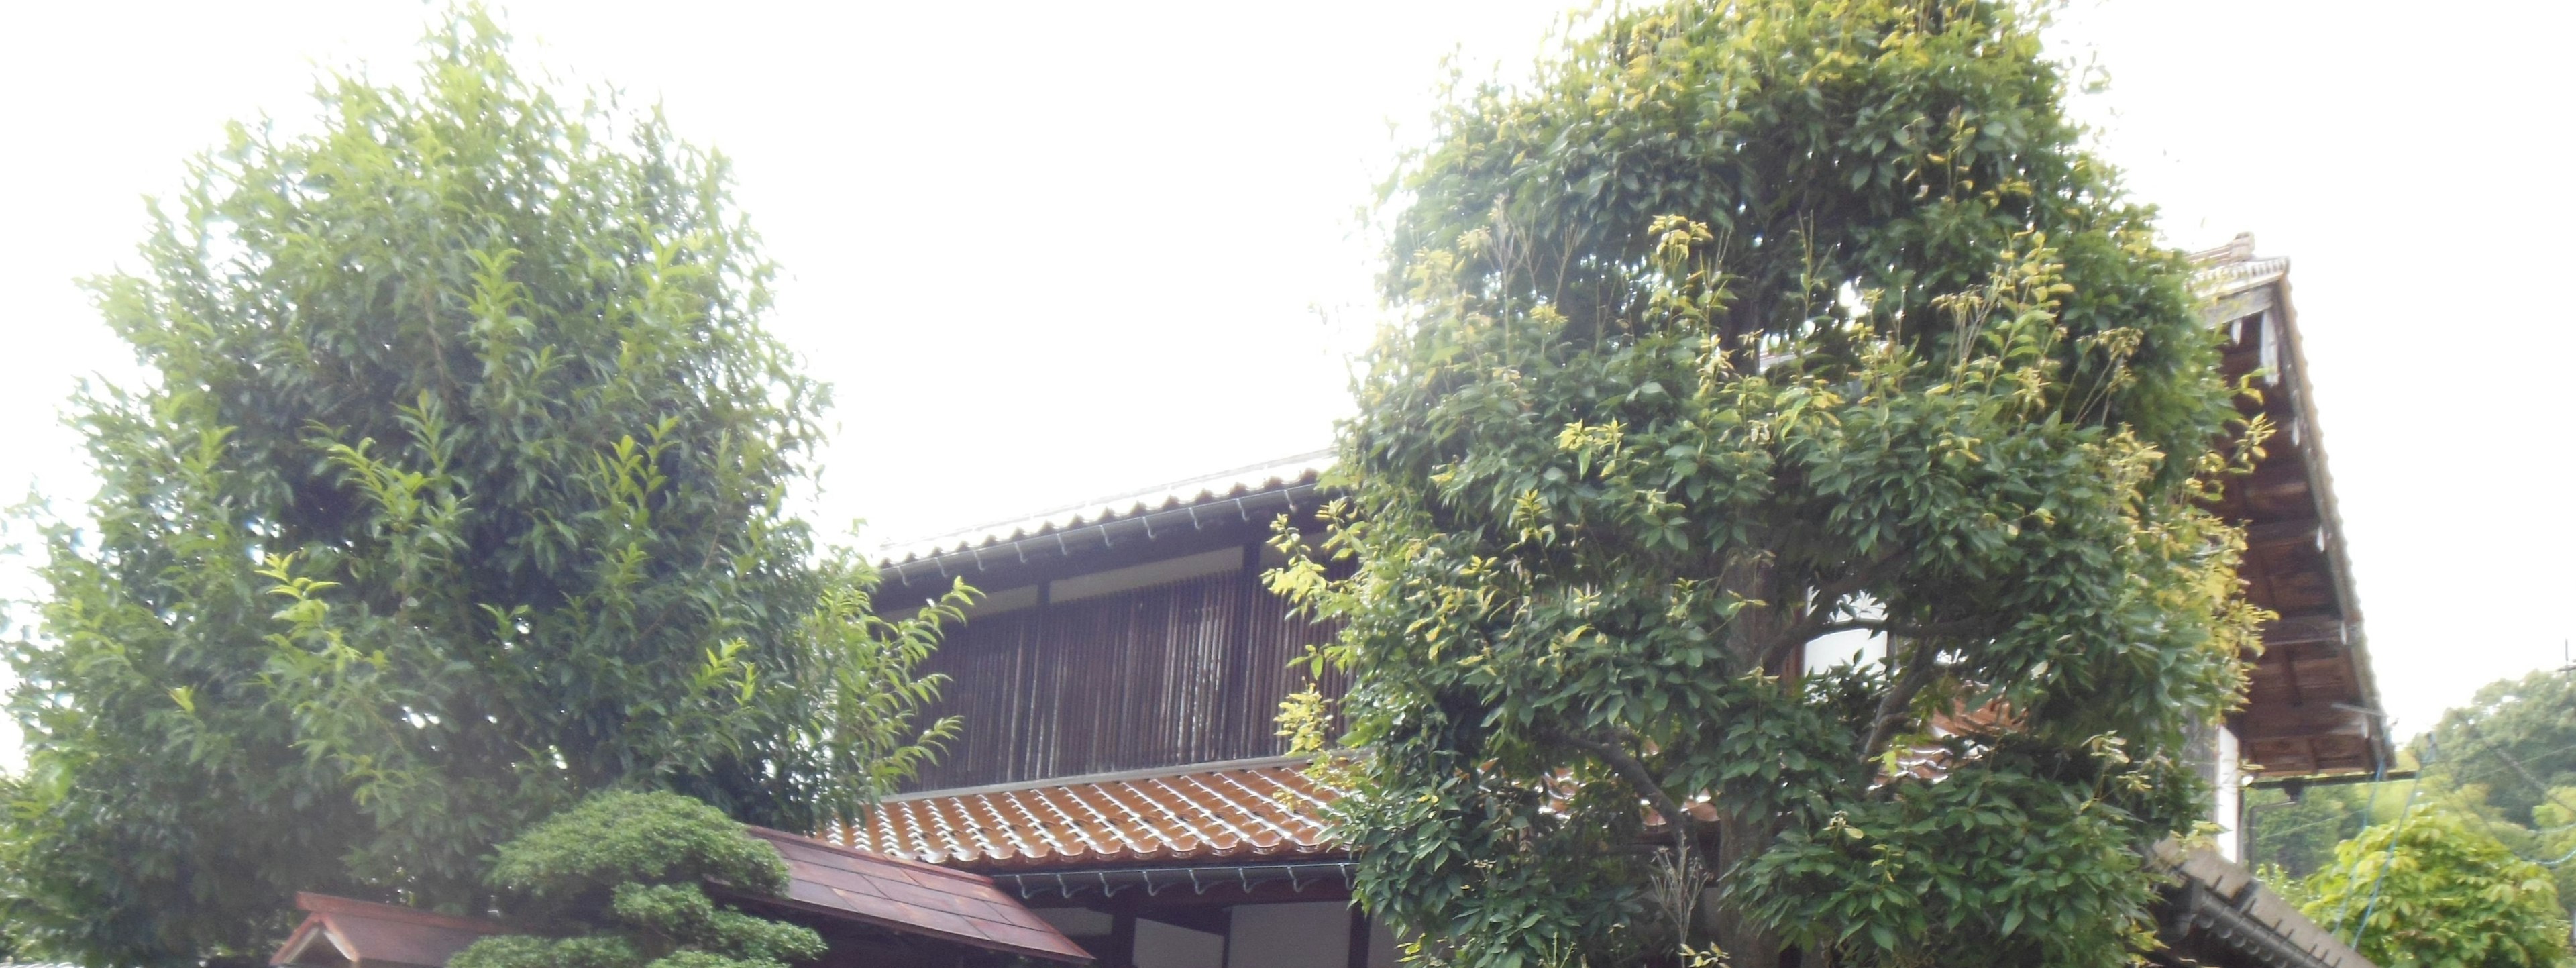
<point>1187,672</point>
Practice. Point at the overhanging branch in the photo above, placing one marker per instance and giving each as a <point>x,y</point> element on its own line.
<point>1893,707</point>
<point>1633,770</point>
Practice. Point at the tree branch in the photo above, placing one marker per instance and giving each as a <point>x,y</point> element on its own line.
<point>1633,770</point>
<point>1818,621</point>
<point>1900,698</point>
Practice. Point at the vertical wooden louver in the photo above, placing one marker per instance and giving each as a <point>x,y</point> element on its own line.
<point>1192,671</point>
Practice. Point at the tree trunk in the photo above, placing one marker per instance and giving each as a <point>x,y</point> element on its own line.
<point>1747,944</point>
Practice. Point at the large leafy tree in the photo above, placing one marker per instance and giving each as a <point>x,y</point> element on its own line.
<point>2434,889</point>
<point>1742,325</point>
<point>456,488</point>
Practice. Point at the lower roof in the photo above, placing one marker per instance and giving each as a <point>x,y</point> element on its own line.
<point>365,934</point>
<point>913,898</point>
<point>827,883</point>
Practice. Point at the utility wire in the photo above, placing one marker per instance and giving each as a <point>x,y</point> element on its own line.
<point>2432,752</point>
<point>2378,775</point>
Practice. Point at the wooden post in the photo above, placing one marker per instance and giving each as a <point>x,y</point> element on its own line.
<point>1120,950</point>
<point>1359,937</point>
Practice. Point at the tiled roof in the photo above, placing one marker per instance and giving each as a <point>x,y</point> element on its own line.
<point>2218,901</point>
<point>1208,489</point>
<point>1263,811</point>
<point>914,898</point>
<point>1256,810</point>
<point>2233,268</point>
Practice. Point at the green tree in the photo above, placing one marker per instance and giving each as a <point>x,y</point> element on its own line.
<point>2502,762</point>
<point>2299,837</point>
<point>621,880</point>
<point>2517,737</point>
<point>1741,325</point>
<point>456,489</point>
<point>2448,896</point>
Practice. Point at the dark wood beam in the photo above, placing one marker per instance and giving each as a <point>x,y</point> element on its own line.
<point>2302,722</point>
<point>2248,303</point>
<point>2306,629</point>
<point>2268,536</point>
<point>2284,487</point>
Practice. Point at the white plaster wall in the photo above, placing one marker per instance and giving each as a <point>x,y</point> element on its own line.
<point>1314,934</point>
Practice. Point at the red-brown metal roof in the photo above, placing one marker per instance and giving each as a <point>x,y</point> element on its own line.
<point>1265,810</point>
<point>825,880</point>
<point>364,934</point>
<point>914,898</point>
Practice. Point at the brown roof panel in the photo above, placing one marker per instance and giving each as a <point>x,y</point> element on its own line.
<point>364,934</point>
<point>825,881</point>
<point>914,898</point>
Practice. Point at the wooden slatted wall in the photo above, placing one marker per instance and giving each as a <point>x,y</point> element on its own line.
<point>1187,672</point>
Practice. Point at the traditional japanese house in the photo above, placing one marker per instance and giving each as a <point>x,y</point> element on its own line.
<point>1121,774</point>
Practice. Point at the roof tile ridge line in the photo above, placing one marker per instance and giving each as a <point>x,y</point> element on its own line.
<point>1307,795</point>
<point>875,830</point>
<point>954,815</point>
<point>904,862</point>
<point>916,830</point>
<point>1106,791</point>
<point>1289,835</point>
<point>1055,846</point>
<point>1075,825</point>
<point>1002,827</point>
<point>1241,836</point>
<point>900,557</point>
<point>1178,769</point>
<point>1254,813</point>
<point>1130,497</point>
<point>1173,818</point>
<point>940,827</point>
<point>1087,794</point>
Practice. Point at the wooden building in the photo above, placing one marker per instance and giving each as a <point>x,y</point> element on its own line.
<point>1120,773</point>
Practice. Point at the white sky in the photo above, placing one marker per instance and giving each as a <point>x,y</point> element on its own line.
<point>1051,251</point>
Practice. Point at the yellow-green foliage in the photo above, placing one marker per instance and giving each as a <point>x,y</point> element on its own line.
<point>621,880</point>
<point>2449,896</point>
